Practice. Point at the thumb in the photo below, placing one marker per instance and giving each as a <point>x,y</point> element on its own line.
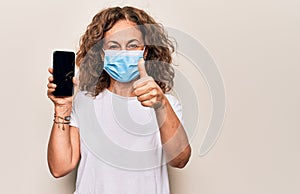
<point>75,84</point>
<point>141,68</point>
<point>143,74</point>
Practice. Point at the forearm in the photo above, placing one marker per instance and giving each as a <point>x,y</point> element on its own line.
<point>60,147</point>
<point>173,137</point>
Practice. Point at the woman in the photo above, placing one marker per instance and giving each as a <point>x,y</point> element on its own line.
<point>124,59</point>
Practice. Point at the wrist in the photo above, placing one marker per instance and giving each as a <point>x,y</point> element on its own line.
<point>62,110</point>
<point>162,104</point>
<point>61,121</point>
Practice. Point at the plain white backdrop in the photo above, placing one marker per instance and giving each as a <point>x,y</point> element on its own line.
<point>256,45</point>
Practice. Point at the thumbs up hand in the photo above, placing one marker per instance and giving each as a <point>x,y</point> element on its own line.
<point>147,90</point>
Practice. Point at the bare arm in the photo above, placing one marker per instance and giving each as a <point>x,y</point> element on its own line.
<point>174,139</point>
<point>63,146</point>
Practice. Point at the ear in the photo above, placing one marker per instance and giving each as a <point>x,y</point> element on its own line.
<point>145,52</point>
<point>102,55</point>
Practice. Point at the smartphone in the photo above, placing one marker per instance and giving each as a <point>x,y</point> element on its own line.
<point>63,73</point>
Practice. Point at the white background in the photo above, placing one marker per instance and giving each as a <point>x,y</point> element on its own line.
<point>256,45</point>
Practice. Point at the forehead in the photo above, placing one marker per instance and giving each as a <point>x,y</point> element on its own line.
<point>123,30</point>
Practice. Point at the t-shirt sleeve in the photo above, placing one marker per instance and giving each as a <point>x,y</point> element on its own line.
<point>176,105</point>
<point>73,121</point>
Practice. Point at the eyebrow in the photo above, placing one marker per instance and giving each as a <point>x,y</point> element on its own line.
<point>132,40</point>
<point>115,42</point>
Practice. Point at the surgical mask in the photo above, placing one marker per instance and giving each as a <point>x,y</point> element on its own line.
<point>122,65</point>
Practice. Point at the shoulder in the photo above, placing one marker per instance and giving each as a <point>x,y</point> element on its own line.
<point>176,106</point>
<point>81,98</point>
<point>172,99</point>
<point>174,102</point>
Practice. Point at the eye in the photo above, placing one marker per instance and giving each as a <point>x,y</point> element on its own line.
<point>133,46</point>
<point>113,47</point>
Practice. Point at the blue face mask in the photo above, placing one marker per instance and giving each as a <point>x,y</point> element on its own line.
<point>122,65</point>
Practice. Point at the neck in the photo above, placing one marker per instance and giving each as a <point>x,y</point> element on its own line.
<point>122,89</point>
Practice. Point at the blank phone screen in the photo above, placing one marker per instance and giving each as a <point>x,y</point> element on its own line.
<point>63,72</point>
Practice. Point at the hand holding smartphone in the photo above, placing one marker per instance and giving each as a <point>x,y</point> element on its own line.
<point>63,73</point>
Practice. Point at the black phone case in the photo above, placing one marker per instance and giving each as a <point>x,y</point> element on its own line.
<point>63,72</point>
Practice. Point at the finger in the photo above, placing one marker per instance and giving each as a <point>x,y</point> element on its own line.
<point>50,79</point>
<point>142,81</point>
<point>76,84</point>
<point>50,95</point>
<point>147,96</point>
<point>50,69</point>
<point>151,103</point>
<point>51,90</point>
<point>147,103</point>
<point>141,68</point>
<point>74,80</point>
<point>143,89</point>
<point>51,86</point>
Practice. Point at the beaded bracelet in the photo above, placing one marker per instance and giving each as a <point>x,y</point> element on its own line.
<point>67,119</point>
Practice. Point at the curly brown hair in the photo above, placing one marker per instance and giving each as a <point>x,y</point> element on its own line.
<point>158,47</point>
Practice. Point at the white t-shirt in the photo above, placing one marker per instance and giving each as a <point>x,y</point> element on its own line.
<point>120,145</point>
